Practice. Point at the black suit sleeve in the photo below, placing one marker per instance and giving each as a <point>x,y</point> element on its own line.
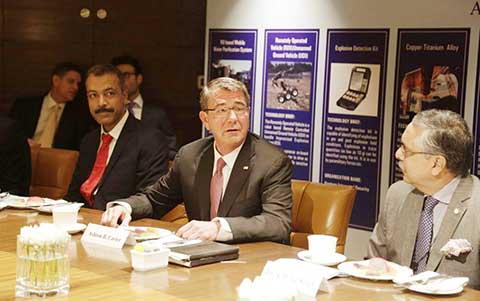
<point>15,162</point>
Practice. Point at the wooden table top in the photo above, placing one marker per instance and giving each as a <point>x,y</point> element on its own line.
<point>105,274</point>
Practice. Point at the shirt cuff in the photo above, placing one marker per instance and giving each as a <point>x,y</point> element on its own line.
<point>123,204</point>
<point>225,232</point>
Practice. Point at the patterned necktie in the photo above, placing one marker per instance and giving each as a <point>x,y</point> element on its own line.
<point>216,187</point>
<point>424,235</point>
<point>46,139</point>
<point>130,106</point>
<point>91,183</point>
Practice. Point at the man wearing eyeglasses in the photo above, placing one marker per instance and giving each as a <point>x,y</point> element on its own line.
<point>151,114</point>
<point>121,157</point>
<point>235,185</point>
<point>437,200</point>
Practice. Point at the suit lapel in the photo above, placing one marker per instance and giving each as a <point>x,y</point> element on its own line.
<point>122,142</point>
<point>202,182</point>
<point>456,209</point>
<point>404,232</point>
<point>238,177</point>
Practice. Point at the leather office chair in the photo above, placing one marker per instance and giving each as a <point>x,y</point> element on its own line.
<point>320,209</point>
<point>52,171</point>
<point>177,215</point>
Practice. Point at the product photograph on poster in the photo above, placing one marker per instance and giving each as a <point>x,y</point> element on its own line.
<point>430,73</point>
<point>288,86</point>
<point>354,89</point>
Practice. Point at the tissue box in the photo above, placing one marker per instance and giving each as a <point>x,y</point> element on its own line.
<point>149,260</point>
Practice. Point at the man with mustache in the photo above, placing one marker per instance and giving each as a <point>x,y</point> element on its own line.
<point>235,185</point>
<point>121,157</point>
<point>437,200</point>
<point>55,119</point>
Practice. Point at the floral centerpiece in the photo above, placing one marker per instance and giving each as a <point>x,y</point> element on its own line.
<point>42,261</point>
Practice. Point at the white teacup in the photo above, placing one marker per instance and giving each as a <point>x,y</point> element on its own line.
<point>321,247</point>
<point>65,215</point>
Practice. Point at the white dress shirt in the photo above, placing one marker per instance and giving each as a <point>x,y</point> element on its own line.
<point>115,133</point>
<point>137,107</point>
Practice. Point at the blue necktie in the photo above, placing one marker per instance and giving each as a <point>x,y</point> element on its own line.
<point>424,235</point>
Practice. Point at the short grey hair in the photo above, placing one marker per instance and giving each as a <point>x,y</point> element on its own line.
<point>446,133</point>
<point>225,83</point>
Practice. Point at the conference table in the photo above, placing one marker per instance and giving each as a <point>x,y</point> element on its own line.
<point>105,274</point>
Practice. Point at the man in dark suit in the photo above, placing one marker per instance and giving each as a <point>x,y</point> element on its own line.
<point>437,201</point>
<point>55,119</point>
<point>247,198</point>
<point>151,114</point>
<point>121,157</point>
<point>15,164</point>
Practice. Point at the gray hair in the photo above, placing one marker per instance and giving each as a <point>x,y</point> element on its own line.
<point>446,133</point>
<point>225,83</point>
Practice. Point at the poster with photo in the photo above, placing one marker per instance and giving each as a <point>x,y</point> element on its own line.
<point>354,99</point>
<point>232,53</point>
<point>289,82</point>
<point>430,74</point>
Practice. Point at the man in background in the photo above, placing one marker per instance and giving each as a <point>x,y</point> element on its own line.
<point>15,164</point>
<point>235,185</point>
<point>149,113</point>
<point>55,119</point>
<point>121,157</point>
<point>437,200</point>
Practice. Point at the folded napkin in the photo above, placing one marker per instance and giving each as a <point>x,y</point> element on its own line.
<point>432,282</point>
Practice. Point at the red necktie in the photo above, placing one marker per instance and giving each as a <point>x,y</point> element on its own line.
<point>89,185</point>
<point>216,187</point>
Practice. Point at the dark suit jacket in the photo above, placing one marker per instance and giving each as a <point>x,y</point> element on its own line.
<point>154,116</point>
<point>73,125</point>
<point>138,160</point>
<point>15,164</point>
<point>394,235</point>
<point>257,201</point>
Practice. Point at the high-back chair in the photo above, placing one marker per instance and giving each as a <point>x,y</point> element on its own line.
<point>52,171</point>
<point>320,209</point>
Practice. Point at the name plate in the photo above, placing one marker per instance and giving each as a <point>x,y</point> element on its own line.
<point>105,236</point>
<point>304,277</point>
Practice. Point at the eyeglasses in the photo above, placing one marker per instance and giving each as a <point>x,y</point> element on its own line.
<point>128,74</point>
<point>224,111</point>
<point>408,153</point>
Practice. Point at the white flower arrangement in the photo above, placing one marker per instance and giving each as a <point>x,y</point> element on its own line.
<point>455,247</point>
<point>42,259</point>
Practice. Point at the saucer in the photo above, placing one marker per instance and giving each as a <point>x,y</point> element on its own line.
<point>74,228</point>
<point>335,259</point>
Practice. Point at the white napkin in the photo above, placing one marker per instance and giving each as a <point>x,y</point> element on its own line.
<point>455,247</point>
<point>443,284</point>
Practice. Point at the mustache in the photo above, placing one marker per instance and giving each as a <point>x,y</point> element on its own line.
<point>103,110</point>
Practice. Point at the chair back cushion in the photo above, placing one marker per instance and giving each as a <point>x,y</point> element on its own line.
<point>52,171</point>
<point>320,209</point>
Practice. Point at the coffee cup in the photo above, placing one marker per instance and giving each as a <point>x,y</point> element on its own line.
<point>65,215</point>
<point>321,247</point>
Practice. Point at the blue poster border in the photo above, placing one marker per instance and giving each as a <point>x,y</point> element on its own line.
<point>382,96</point>
<point>400,31</point>
<point>313,91</point>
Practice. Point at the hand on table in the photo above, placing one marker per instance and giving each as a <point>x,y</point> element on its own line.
<point>113,215</point>
<point>199,230</point>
